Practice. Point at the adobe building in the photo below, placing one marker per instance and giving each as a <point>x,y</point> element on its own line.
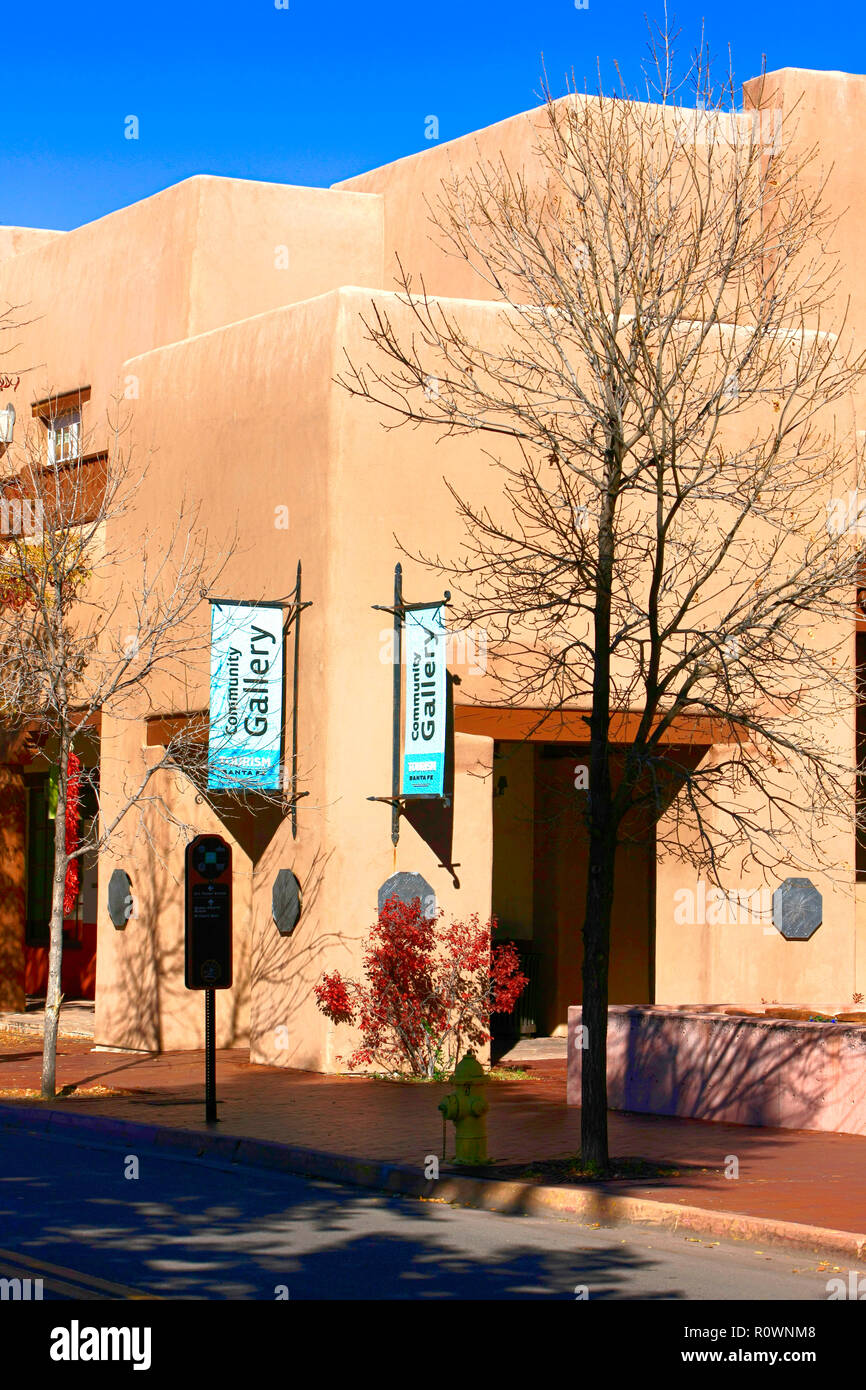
<point>221,312</point>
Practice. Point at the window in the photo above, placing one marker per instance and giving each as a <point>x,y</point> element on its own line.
<point>64,437</point>
<point>40,861</point>
<point>41,809</point>
<point>61,416</point>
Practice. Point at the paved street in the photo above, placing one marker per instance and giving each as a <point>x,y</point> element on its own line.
<point>186,1230</point>
<point>790,1175</point>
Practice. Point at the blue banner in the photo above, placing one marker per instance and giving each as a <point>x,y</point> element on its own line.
<point>245,735</point>
<point>424,703</point>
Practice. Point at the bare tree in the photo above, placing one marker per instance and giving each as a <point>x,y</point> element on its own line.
<point>101,619</point>
<point>670,417</point>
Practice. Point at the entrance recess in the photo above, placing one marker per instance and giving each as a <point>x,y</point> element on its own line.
<point>540,859</point>
<point>561,859</point>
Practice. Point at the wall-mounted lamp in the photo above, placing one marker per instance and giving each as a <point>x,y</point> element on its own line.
<point>7,424</point>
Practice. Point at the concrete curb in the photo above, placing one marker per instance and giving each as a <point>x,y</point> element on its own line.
<point>590,1205</point>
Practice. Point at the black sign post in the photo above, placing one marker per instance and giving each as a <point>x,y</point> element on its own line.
<point>208,943</point>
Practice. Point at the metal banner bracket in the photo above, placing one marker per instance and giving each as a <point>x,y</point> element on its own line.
<point>398,611</point>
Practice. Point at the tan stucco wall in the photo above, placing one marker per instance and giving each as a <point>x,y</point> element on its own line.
<point>320,462</point>
<point>514,840</point>
<point>229,306</point>
<point>198,255</point>
<point>141,1001</point>
<point>243,471</point>
<point>406,184</point>
<point>294,438</point>
<point>287,244</point>
<point>825,113</point>
<point>15,240</point>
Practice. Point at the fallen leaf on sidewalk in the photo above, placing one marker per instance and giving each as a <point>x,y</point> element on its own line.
<point>78,1093</point>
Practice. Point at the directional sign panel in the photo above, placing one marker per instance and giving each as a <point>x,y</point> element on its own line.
<point>208,955</point>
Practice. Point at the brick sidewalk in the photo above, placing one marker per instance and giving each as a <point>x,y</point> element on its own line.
<point>790,1175</point>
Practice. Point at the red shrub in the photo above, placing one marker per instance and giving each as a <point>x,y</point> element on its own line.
<point>427,996</point>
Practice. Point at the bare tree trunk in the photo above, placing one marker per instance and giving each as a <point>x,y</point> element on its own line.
<point>602,841</point>
<point>596,958</point>
<point>55,948</point>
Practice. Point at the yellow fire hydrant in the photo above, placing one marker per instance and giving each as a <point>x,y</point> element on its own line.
<point>467,1107</point>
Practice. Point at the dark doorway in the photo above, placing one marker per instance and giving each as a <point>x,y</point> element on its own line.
<point>540,861</point>
<point>559,898</point>
<point>539,884</point>
<point>78,971</point>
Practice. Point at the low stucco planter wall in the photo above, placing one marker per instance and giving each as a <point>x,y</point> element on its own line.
<point>717,1066</point>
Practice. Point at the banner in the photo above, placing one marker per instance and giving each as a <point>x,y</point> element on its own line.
<point>424,703</point>
<point>245,734</point>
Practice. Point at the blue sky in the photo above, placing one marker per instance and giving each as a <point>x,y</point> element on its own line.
<point>321,90</point>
